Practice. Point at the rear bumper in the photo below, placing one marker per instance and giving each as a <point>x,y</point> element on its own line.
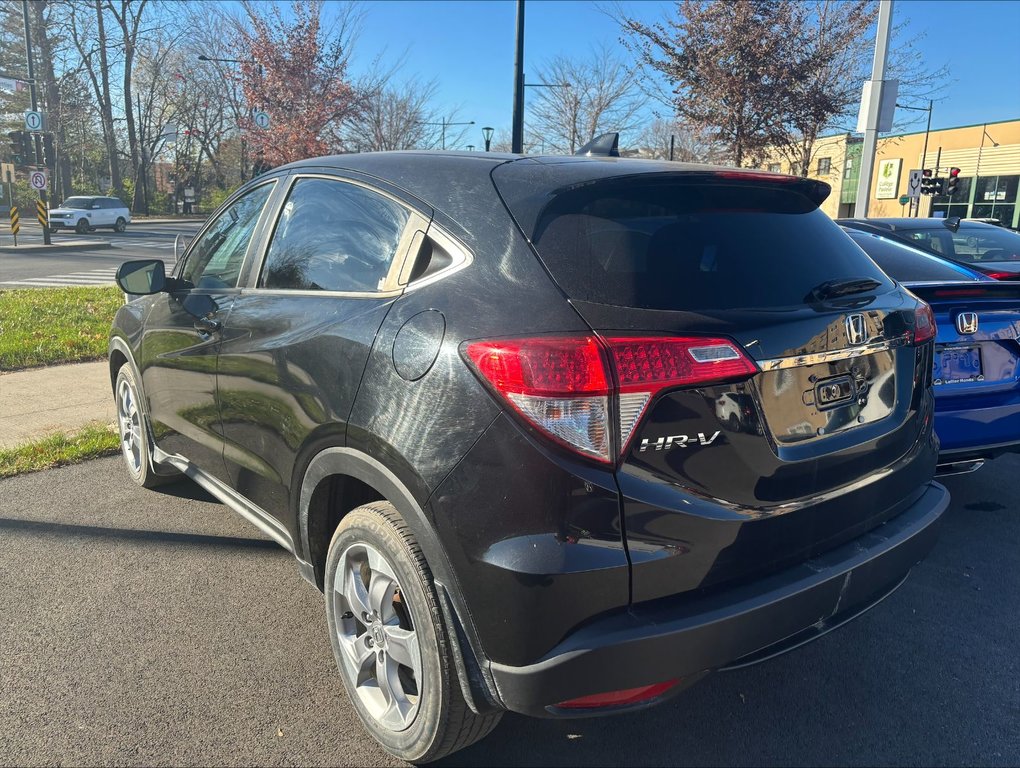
<point>676,638</point>
<point>971,429</point>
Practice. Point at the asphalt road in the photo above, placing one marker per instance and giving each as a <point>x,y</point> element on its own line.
<point>43,269</point>
<point>143,627</point>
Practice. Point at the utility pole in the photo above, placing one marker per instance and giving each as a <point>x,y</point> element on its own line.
<point>517,132</point>
<point>35,108</point>
<point>872,108</point>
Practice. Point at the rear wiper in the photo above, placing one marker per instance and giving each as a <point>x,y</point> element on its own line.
<point>830,289</point>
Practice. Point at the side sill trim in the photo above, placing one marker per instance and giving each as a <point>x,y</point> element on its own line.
<point>253,514</point>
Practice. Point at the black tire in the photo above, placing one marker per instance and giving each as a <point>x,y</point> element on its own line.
<point>120,224</point>
<point>134,439</point>
<point>442,722</point>
<point>53,229</point>
<point>82,227</point>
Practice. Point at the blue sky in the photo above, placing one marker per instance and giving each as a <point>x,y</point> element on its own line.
<point>468,47</point>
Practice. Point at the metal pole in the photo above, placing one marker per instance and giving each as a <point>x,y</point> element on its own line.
<point>517,133</point>
<point>35,108</point>
<point>443,133</point>
<point>672,138</point>
<point>871,109</point>
<point>916,204</point>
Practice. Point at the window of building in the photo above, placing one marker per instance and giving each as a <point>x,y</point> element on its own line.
<point>824,166</point>
<point>775,168</point>
<point>849,167</point>
<point>995,197</point>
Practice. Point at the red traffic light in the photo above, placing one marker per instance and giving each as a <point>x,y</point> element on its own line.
<point>954,172</point>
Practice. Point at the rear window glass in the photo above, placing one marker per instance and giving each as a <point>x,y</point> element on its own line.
<point>678,246</point>
<point>906,264</point>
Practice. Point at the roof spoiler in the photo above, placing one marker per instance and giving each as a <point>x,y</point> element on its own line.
<point>605,145</point>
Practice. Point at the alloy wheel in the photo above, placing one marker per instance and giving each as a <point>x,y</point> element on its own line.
<point>380,655</point>
<point>130,423</point>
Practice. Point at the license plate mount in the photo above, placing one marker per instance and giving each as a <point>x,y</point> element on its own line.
<point>958,365</point>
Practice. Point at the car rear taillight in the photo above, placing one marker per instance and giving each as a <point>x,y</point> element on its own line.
<point>622,698</point>
<point>1003,275</point>
<point>566,385</point>
<point>924,324</point>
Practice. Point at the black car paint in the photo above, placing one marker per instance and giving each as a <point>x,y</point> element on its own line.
<point>527,542</point>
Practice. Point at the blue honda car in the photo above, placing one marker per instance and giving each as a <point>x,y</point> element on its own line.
<point>977,350</point>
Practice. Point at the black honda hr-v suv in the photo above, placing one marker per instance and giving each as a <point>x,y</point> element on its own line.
<point>554,435</point>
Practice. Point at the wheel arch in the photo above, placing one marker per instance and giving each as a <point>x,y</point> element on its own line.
<point>350,478</point>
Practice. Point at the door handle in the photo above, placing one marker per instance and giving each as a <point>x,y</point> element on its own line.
<point>207,325</point>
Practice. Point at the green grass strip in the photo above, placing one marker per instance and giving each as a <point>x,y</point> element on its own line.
<point>90,442</point>
<point>49,326</point>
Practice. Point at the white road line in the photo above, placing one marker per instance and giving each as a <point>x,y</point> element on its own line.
<point>92,277</point>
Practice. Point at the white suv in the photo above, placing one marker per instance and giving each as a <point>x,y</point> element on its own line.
<point>83,214</point>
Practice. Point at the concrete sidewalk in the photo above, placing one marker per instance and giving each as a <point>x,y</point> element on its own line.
<point>60,398</point>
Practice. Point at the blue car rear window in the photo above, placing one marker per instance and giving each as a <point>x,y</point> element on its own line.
<point>909,265</point>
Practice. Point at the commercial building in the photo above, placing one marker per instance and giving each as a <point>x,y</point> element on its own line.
<point>987,154</point>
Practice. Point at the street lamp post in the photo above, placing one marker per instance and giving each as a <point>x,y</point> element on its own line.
<point>487,135</point>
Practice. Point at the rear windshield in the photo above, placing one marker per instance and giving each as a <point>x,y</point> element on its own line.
<point>906,264</point>
<point>691,246</point>
<point>972,244</point>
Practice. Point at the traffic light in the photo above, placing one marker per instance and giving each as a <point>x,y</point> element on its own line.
<point>49,156</point>
<point>20,147</point>
<point>927,182</point>
<point>954,179</point>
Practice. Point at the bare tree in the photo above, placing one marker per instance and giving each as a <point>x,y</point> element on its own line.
<point>128,15</point>
<point>689,144</point>
<point>395,117</point>
<point>602,96</point>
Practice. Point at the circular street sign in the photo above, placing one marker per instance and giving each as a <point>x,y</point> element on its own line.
<point>261,120</point>
<point>904,199</point>
<point>37,179</point>
<point>33,121</point>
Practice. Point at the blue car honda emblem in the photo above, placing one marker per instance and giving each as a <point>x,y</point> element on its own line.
<point>967,322</point>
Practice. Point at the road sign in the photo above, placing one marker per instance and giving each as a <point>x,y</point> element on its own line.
<point>38,179</point>
<point>42,213</point>
<point>33,121</point>
<point>904,199</point>
<point>914,183</point>
<point>261,119</point>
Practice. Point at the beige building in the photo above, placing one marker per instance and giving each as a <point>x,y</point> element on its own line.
<point>987,154</point>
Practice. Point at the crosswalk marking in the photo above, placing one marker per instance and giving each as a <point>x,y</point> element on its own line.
<point>92,277</point>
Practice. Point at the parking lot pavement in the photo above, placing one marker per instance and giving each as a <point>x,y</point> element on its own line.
<point>143,627</point>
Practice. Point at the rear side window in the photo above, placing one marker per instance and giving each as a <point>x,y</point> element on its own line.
<point>333,236</point>
<point>686,246</point>
<point>903,263</point>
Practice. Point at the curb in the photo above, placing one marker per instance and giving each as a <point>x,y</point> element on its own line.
<point>71,245</point>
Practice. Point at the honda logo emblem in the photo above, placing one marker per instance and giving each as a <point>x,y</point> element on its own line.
<point>855,331</point>
<point>967,322</point>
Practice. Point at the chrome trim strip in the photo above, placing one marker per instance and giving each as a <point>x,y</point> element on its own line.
<point>797,361</point>
<point>253,514</point>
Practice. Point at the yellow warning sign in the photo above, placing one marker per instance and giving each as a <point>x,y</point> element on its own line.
<point>42,213</point>
<point>15,221</point>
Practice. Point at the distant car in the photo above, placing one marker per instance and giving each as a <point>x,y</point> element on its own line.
<point>977,357</point>
<point>83,214</point>
<point>988,248</point>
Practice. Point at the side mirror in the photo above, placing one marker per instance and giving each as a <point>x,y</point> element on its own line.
<point>142,277</point>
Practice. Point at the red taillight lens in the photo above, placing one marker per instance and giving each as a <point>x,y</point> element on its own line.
<point>559,384</point>
<point>924,324</point>
<point>563,384</point>
<point>619,698</point>
<point>1002,275</point>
